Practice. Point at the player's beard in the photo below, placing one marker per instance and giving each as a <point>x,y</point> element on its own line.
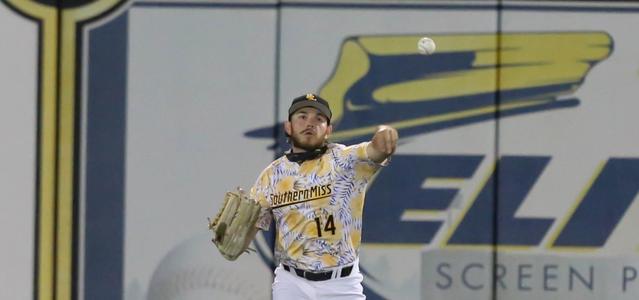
<point>311,145</point>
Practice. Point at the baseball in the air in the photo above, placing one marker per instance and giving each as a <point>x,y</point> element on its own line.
<point>426,46</point>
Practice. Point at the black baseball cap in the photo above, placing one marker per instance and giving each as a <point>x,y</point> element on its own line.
<point>311,100</point>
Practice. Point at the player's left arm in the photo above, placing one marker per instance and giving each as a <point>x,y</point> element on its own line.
<point>382,144</point>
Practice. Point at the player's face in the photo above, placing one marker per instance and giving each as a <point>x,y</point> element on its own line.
<point>308,129</point>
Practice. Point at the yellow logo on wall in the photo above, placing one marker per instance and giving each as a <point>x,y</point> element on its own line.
<point>472,77</point>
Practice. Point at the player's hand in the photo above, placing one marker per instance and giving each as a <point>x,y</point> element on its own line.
<point>383,144</point>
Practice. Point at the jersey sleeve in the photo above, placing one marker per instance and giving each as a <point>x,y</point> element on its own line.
<point>259,193</point>
<point>355,159</point>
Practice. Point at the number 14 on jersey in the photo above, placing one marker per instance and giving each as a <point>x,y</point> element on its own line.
<point>328,226</point>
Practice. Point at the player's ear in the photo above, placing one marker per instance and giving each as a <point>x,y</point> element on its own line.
<point>329,130</point>
<point>288,128</point>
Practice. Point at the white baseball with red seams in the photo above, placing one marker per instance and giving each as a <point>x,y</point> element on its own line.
<point>194,270</point>
<point>426,46</point>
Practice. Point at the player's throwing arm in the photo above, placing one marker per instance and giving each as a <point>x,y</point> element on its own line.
<point>383,143</point>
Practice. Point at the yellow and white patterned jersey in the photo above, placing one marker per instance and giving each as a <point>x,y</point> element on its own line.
<point>317,206</point>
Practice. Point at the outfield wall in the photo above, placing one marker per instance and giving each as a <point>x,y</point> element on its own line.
<point>124,122</point>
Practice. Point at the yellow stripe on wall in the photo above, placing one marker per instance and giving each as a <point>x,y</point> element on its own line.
<point>45,251</point>
<point>57,123</point>
<point>68,57</point>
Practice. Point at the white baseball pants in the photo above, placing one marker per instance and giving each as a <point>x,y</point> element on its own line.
<point>288,286</point>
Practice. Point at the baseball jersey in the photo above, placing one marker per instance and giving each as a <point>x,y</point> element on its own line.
<point>317,206</point>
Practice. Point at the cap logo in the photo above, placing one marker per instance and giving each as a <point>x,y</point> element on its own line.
<point>310,97</point>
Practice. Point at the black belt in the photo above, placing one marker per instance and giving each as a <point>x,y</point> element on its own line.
<point>320,276</point>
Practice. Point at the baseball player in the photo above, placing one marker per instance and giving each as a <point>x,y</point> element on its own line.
<point>315,194</point>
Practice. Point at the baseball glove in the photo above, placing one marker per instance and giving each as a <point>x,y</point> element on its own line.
<point>233,222</point>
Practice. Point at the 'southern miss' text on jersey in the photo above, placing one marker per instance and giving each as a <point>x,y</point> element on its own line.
<point>317,206</point>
